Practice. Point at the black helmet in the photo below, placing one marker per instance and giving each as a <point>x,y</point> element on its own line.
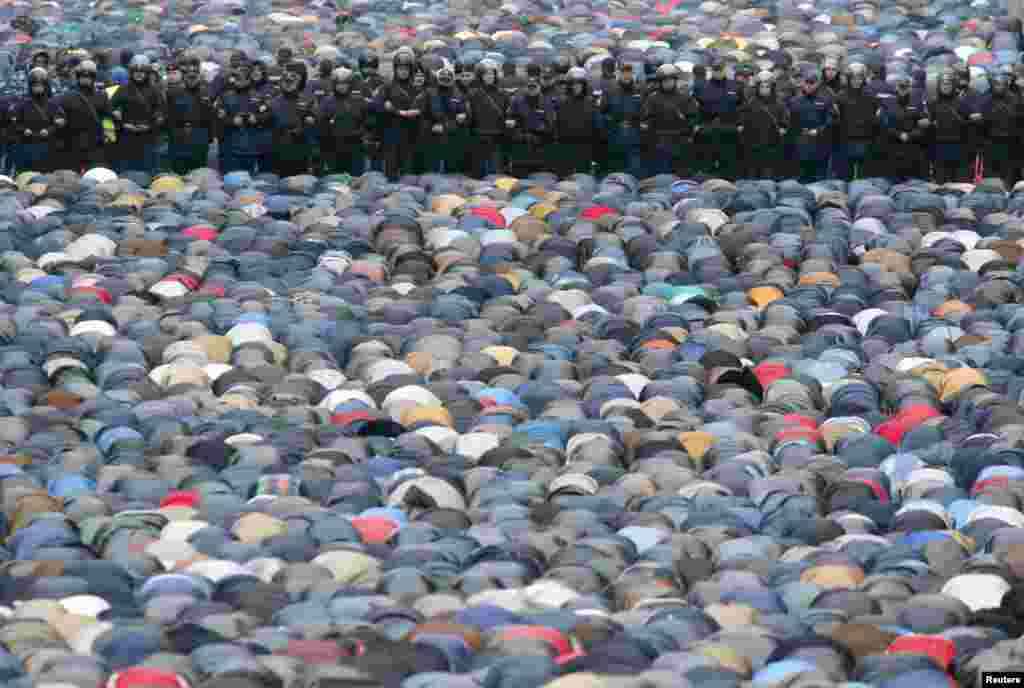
<point>608,66</point>
<point>533,71</point>
<point>370,61</point>
<point>563,64</point>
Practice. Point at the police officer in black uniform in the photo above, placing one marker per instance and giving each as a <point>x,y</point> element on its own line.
<point>402,106</point>
<point>530,126</point>
<point>859,120</point>
<point>718,145</point>
<point>293,119</point>
<point>623,108</point>
<point>488,106</point>
<point>811,114</point>
<point>190,118</point>
<point>448,114</point>
<point>86,106</point>
<point>241,114</point>
<point>36,123</point>
<point>577,126</point>
<point>138,116</point>
<point>465,75</point>
<point>1002,118</point>
<point>905,122</point>
<point>670,118</point>
<point>949,128</point>
<point>344,120</point>
<point>764,123</point>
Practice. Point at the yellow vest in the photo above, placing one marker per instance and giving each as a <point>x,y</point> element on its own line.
<point>109,131</point>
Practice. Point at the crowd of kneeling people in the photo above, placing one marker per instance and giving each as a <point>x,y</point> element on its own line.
<point>478,118</point>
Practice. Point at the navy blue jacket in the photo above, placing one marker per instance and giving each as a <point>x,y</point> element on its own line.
<point>190,115</point>
<point>623,110</point>
<point>244,139</point>
<point>807,113</point>
<point>720,102</point>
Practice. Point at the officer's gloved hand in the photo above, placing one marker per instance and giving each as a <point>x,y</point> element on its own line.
<point>437,129</point>
<point>237,121</point>
<point>60,122</point>
<point>739,129</point>
<point>975,116</point>
<point>510,123</point>
<point>782,132</point>
<point>904,137</point>
<point>924,122</point>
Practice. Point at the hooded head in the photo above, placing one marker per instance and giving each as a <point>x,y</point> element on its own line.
<point>293,78</point>
<point>548,75</point>
<point>533,80</point>
<point>487,72</point>
<point>190,70</point>
<point>41,59</point>
<point>403,65</point>
<point>445,76</point>
<point>325,68</point>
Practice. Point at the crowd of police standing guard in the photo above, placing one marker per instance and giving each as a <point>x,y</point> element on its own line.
<point>481,118</point>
